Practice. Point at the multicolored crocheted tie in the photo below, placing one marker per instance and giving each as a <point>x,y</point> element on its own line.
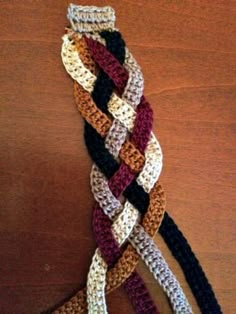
<point>130,202</point>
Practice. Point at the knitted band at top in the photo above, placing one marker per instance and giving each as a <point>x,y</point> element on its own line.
<point>108,92</point>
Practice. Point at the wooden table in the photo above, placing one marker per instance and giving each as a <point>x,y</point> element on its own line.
<point>187,50</point>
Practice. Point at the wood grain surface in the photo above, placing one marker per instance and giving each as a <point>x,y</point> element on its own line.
<point>187,50</point>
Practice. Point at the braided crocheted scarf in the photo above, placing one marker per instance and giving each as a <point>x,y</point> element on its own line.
<point>129,200</point>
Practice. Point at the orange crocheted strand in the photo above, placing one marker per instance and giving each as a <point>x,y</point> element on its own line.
<point>90,111</point>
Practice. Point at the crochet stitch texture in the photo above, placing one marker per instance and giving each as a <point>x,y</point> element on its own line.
<point>127,159</point>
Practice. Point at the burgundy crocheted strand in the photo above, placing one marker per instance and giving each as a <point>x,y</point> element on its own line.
<point>108,63</point>
<point>118,74</point>
<point>122,178</point>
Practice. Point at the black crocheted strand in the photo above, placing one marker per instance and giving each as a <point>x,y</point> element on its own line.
<point>173,237</point>
<point>193,271</point>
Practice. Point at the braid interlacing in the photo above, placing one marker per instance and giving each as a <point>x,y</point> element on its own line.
<point>130,202</point>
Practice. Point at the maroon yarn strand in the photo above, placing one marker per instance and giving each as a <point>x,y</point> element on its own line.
<point>121,179</point>
<point>110,65</point>
<point>109,248</point>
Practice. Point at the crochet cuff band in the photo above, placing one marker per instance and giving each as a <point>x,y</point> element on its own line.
<point>90,18</point>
